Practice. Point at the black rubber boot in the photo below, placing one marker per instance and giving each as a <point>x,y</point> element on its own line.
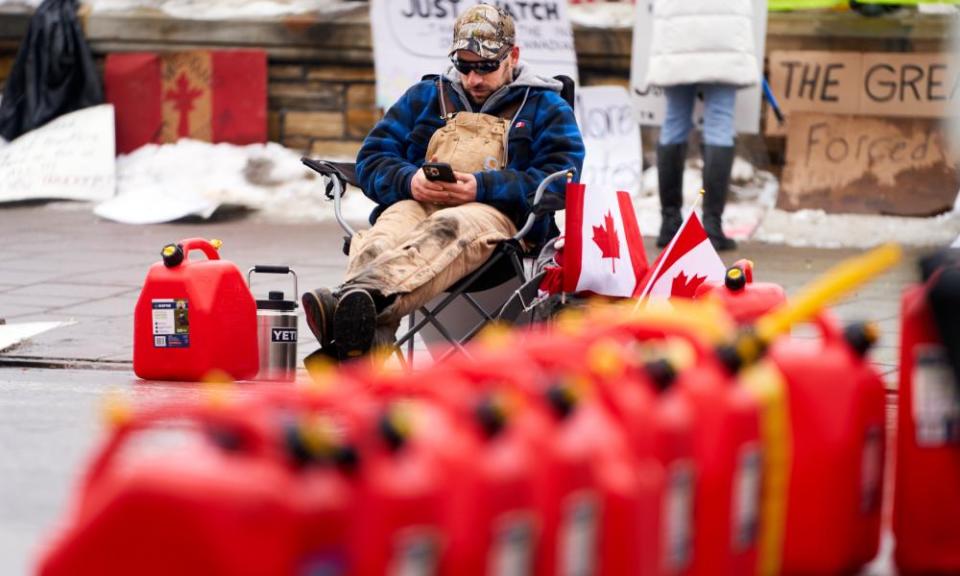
<point>671,159</point>
<point>717,163</point>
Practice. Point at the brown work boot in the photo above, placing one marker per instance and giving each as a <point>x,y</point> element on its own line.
<point>318,307</point>
<point>354,323</point>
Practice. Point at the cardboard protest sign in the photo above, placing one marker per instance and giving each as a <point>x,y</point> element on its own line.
<point>650,103</point>
<point>875,84</point>
<point>218,96</point>
<point>612,139</point>
<point>842,163</point>
<point>71,158</point>
<point>913,85</point>
<point>411,38</point>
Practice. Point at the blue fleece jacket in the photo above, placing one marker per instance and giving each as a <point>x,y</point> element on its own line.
<point>543,139</point>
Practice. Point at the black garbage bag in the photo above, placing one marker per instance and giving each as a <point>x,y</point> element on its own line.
<point>54,72</point>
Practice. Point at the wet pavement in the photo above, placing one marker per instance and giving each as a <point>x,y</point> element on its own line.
<point>61,263</point>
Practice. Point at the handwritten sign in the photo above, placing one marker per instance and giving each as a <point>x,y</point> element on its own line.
<point>612,138</point>
<point>650,103</point>
<point>70,158</point>
<point>875,84</point>
<point>411,38</point>
<point>842,163</point>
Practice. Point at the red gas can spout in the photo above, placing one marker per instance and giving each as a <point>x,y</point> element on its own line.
<point>861,336</point>
<point>172,255</point>
<point>662,373</point>
<point>734,279</point>
<point>745,266</point>
<point>490,416</point>
<point>562,400</point>
<point>393,429</point>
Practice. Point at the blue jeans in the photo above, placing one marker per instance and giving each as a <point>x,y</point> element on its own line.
<point>719,101</point>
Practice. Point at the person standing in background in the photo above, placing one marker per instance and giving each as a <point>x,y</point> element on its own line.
<point>702,46</point>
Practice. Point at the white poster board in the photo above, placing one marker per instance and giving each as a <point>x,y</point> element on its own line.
<point>411,38</point>
<point>650,104</point>
<point>612,138</point>
<point>70,158</point>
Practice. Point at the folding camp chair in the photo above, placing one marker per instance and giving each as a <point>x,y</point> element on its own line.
<point>487,290</point>
<point>505,264</point>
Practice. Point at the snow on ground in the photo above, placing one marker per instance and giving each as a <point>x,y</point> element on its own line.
<point>194,178</point>
<point>270,179</point>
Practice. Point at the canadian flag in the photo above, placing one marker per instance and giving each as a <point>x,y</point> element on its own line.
<point>603,250</point>
<point>214,96</point>
<point>686,263</point>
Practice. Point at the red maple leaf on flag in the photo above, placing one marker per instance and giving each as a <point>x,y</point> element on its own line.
<point>685,288</point>
<point>607,240</point>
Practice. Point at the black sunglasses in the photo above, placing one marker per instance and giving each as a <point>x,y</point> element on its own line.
<point>481,67</point>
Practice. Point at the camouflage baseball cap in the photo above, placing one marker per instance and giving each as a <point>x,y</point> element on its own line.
<point>485,30</point>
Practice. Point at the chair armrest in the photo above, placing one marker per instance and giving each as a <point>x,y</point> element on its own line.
<point>346,172</point>
<point>338,174</point>
<point>547,201</point>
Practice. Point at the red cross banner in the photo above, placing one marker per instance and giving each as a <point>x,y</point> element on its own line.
<point>603,248</point>
<point>218,96</point>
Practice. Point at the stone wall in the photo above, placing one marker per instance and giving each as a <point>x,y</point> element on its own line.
<point>321,79</point>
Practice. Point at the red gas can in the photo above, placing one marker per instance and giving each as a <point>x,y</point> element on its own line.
<point>727,452</point>
<point>927,498</point>
<point>194,317</point>
<point>837,428</point>
<point>397,484</point>
<point>202,509</point>
<point>629,480</point>
<point>659,421</point>
<point>490,519</point>
<point>744,299</point>
<point>565,491</point>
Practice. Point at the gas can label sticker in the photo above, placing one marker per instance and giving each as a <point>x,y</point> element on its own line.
<point>283,334</point>
<point>513,543</point>
<point>871,470</point>
<point>678,516</point>
<point>746,497</point>
<point>415,554</point>
<point>171,322</point>
<point>578,536</point>
<point>936,405</point>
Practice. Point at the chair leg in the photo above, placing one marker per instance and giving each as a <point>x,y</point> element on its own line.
<point>412,319</point>
<point>429,315</point>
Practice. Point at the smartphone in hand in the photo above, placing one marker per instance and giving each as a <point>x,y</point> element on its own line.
<point>438,172</point>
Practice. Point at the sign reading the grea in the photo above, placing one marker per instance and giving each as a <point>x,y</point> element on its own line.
<point>411,38</point>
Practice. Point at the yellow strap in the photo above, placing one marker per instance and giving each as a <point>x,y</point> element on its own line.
<point>766,383</point>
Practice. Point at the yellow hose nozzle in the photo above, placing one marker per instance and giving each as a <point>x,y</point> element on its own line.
<point>837,282</point>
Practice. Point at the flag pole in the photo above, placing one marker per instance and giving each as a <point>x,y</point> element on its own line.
<point>646,289</point>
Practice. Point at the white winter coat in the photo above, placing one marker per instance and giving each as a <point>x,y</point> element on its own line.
<point>702,41</point>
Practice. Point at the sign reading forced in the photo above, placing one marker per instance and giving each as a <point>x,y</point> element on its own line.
<point>411,38</point>
<point>841,163</point>
<point>876,84</point>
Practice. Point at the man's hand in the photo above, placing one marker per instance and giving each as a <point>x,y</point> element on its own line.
<point>462,191</point>
<point>424,190</point>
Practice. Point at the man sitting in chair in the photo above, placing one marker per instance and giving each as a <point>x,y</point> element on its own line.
<point>501,128</point>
